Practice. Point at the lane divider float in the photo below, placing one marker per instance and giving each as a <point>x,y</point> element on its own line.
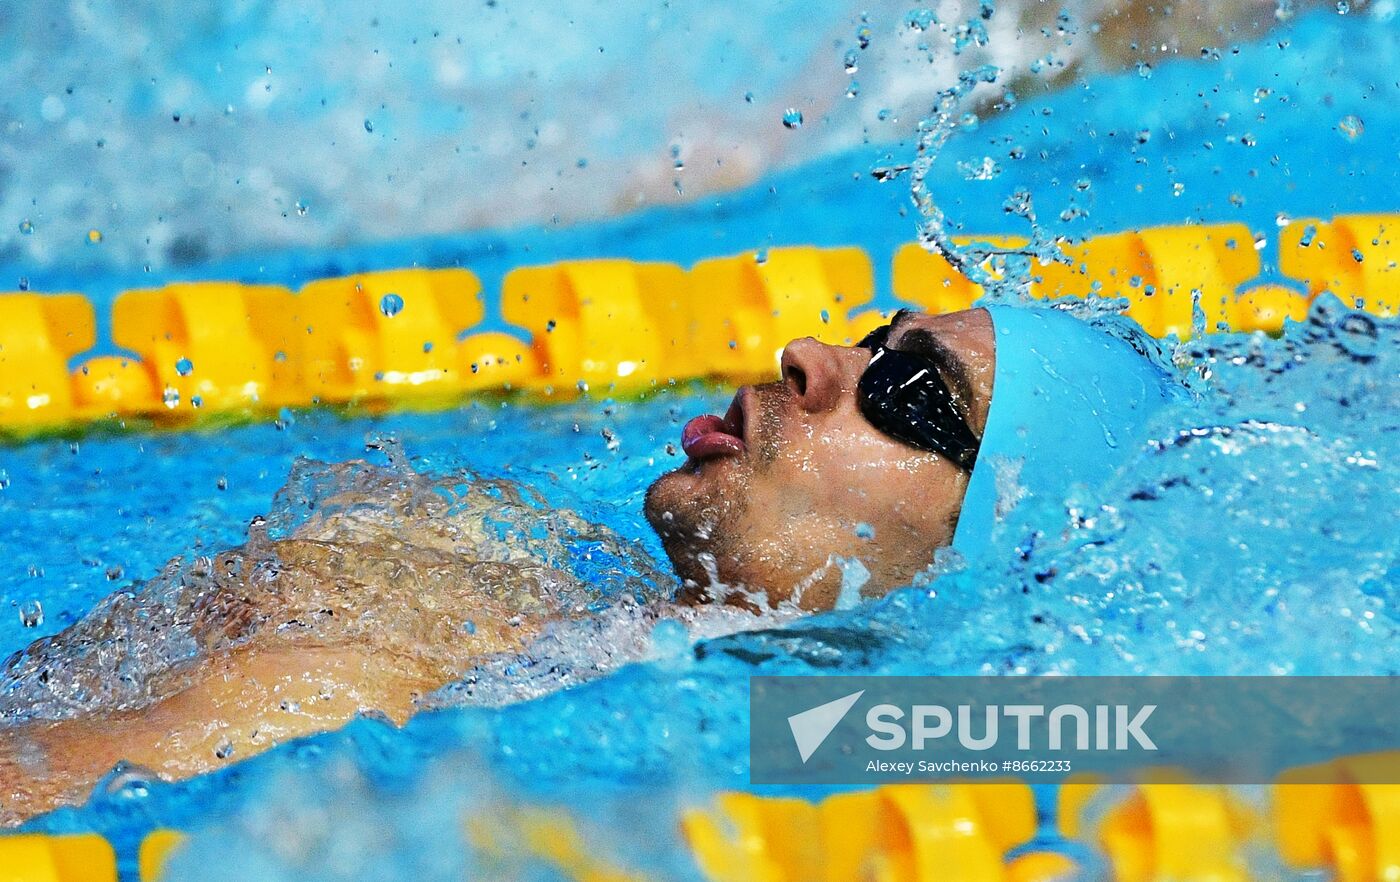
<point>406,337</point>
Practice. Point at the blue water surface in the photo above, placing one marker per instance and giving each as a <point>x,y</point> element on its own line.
<point>1250,539</point>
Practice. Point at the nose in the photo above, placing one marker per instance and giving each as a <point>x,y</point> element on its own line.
<point>818,374</point>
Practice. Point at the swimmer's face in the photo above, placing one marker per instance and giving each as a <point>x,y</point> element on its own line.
<point>794,481</point>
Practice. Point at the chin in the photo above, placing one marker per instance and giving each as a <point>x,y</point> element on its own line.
<point>685,508</point>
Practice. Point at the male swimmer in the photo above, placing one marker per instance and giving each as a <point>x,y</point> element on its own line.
<point>881,452</point>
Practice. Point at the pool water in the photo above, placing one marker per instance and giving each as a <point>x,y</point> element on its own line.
<point>1250,538</point>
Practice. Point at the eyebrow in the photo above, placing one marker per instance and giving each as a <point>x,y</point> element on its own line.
<point>926,344</point>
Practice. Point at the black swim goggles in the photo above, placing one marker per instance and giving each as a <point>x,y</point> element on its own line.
<point>903,395</point>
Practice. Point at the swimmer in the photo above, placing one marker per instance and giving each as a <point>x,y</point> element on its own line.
<point>881,453</point>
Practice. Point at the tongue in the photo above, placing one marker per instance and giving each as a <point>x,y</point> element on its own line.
<point>705,437</point>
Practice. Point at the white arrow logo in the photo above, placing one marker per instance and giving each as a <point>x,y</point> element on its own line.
<point>810,728</point>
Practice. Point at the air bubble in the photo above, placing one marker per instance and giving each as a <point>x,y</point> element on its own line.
<point>26,226</point>
<point>792,118</point>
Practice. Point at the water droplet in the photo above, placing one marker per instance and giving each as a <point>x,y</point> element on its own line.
<point>851,61</point>
<point>1144,70</point>
<point>369,126</point>
<point>31,613</point>
<point>853,89</point>
<point>26,226</point>
<point>222,483</point>
<point>979,171</point>
<point>128,781</point>
<point>391,305</point>
<point>94,236</point>
<point>1351,127</point>
<point>224,750</point>
<point>792,118</point>
<point>748,96</point>
<point>1357,256</point>
<point>863,37</point>
<point>1343,7</point>
<point>171,397</point>
<point>184,367</point>
<point>301,208</point>
<point>920,19</point>
<point>865,531</point>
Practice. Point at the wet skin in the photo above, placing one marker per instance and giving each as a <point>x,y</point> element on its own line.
<point>793,479</point>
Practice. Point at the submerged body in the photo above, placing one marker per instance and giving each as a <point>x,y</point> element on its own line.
<point>394,585</point>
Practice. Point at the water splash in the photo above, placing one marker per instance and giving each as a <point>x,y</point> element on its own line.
<point>352,554</point>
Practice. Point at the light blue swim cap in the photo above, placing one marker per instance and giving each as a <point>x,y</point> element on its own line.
<point>1070,405</point>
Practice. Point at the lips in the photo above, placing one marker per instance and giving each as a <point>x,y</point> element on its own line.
<point>713,437</point>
